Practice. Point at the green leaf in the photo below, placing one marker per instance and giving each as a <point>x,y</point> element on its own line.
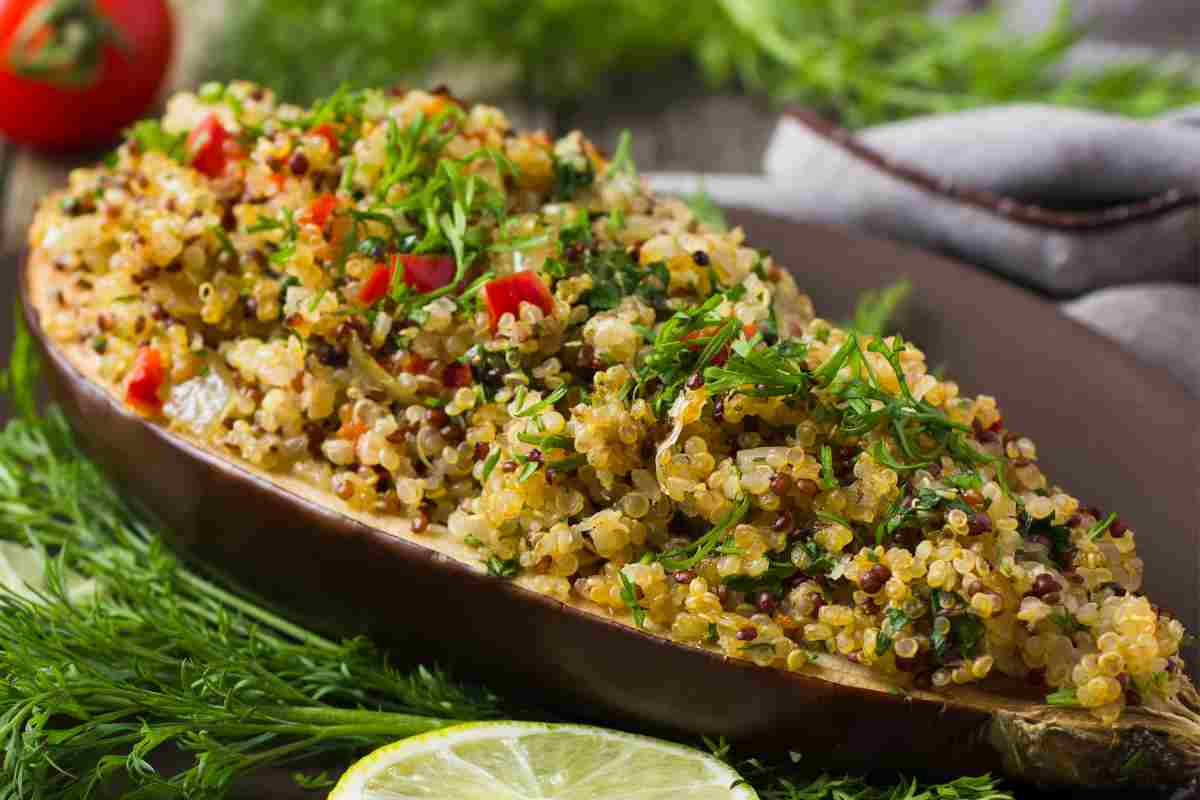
<point>706,211</point>
<point>828,479</point>
<point>893,623</point>
<point>629,596</point>
<point>1063,697</point>
<point>876,310</point>
<point>149,136</point>
<point>503,567</point>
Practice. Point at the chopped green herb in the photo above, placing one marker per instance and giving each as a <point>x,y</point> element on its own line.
<point>622,160</point>
<point>1063,697</point>
<point>707,212</point>
<point>545,403</point>
<point>503,567</point>
<point>1067,623</point>
<point>893,623</point>
<point>527,471</point>
<point>629,595</point>
<point>828,479</point>
<point>490,464</point>
<point>692,554</point>
<point>149,136</point>
<point>223,238</point>
<point>1100,527</point>
<point>877,308</point>
<point>758,648</point>
<point>571,178</point>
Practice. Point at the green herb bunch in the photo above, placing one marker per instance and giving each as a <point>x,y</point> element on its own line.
<point>864,61</point>
<point>166,658</point>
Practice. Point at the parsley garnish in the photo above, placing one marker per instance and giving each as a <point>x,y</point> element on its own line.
<point>893,623</point>
<point>150,136</point>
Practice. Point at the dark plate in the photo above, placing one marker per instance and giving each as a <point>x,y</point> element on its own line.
<point>1114,432</point>
<point>1117,431</point>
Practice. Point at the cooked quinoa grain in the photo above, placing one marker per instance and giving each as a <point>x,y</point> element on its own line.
<point>504,341</point>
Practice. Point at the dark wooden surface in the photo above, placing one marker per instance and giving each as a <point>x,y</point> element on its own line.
<point>676,126</point>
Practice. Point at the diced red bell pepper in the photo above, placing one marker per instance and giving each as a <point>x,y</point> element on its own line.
<point>423,273</point>
<point>208,146</point>
<point>505,295</point>
<point>329,134</point>
<point>376,285</point>
<point>456,375</point>
<point>145,380</point>
<point>321,209</point>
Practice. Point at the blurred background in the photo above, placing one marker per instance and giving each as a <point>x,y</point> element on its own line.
<point>698,82</point>
<point>671,70</point>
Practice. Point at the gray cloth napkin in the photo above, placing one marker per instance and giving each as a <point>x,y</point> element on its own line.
<point>1063,200</point>
<point>1098,210</point>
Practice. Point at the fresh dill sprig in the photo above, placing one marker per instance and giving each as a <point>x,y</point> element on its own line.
<point>876,308</point>
<point>165,657</point>
<point>693,553</point>
<point>706,210</point>
<point>791,777</point>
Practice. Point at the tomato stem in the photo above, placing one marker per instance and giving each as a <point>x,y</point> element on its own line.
<point>62,41</point>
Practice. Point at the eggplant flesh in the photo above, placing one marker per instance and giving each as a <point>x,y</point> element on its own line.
<point>351,571</point>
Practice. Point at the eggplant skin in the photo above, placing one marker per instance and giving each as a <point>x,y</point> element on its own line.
<point>341,574</point>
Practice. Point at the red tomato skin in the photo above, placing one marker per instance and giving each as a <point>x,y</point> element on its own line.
<point>505,295</point>
<point>208,147</point>
<point>58,118</point>
<point>145,380</point>
<point>422,273</point>
<point>321,209</point>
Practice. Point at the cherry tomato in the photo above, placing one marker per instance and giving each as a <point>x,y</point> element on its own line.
<point>145,380</point>
<point>73,73</point>
<point>505,295</point>
<point>423,273</point>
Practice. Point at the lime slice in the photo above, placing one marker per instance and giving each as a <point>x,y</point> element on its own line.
<point>533,761</point>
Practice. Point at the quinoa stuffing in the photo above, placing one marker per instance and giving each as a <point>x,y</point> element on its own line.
<point>504,340</point>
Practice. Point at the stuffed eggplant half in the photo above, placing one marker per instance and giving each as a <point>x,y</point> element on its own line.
<point>389,359</point>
